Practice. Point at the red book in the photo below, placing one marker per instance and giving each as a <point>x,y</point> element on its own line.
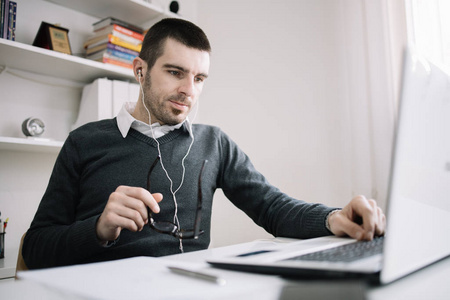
<point>120,29</point>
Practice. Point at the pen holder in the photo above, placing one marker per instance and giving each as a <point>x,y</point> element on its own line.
<point>2,244</point>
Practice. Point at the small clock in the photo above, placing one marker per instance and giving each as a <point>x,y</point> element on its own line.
<point>33,127</point>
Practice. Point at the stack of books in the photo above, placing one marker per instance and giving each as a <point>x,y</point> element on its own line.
<point>8,10</point>
<point>114,42</point>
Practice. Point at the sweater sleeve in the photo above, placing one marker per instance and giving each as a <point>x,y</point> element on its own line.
<point>55,236</point>
<point>265,204</point>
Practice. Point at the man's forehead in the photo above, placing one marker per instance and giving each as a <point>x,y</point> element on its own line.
<point>176,53</point>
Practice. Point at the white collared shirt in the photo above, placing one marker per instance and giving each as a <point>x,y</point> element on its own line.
<point>125,121</point>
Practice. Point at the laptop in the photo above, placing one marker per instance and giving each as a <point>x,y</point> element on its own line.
<point>418,207</point>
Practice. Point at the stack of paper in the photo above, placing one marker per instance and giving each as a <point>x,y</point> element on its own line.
<point>103,99</point>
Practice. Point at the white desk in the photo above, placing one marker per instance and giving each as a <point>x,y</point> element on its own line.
<point>8,264</point>
<point>145,277</point>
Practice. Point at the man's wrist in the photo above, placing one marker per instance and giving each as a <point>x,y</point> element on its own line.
<point>327,219</point>
<point>104,242</point>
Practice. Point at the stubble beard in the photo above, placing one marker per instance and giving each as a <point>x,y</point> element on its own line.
<point>158,109</point>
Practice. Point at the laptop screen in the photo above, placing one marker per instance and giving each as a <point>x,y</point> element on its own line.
<point>418,211</point>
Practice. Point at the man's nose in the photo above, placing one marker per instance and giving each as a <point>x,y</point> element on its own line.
<point>187,87</point>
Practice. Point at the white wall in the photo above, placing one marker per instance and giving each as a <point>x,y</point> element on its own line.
<point>284,85</point>
<point>24,175</point>
<point>275,87</point>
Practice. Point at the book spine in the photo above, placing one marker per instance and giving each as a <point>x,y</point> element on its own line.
<point>115,57</point>
<point>126,38</point>
<point>111,61</point>
<point>113,54</point>
<point>121,55</point>
<point>109,21</point>
<point>2,6</point>
<point>5,19</point>
<point>2,17</point>
<point>117,41</point>
<point>91,42</point>
<point>128,32</point>
<point>122,49</point>
<point>12,21</point>
<point>94,49</point>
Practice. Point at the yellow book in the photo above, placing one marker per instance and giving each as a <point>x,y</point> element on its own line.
<point>118,41</point>
<point>113,40</point>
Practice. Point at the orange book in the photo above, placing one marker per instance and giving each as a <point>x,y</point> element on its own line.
<point>120,42</point>
<point>111,61</point>
<point>117,28</point>
<point>113,40</point>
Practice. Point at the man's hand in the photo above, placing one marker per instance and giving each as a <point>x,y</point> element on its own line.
<point>126,208</point>
<point>361,219</point>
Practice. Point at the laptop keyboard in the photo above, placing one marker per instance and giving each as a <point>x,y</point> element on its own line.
<point>345,253</point>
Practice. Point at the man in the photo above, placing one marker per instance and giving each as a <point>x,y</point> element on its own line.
<point>110,177</point>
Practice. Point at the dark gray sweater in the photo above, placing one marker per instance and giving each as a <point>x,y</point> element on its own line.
<point>96,159</point>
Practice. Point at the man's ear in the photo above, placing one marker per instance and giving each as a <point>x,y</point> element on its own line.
<point>139,68</point>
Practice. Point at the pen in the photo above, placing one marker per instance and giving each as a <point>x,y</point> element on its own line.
<point>199,275</point>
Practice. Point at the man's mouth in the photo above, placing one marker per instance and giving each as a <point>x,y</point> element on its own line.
<point>179,104</point>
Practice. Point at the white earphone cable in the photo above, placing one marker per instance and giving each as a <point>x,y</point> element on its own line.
<point>175,218</point>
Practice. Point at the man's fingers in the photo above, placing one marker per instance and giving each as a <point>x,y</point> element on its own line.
<point>381,225</point>
<point>348,227</point>
<point>370,218</point>
<point>157,197</point>
<point>145,199</point>
<point>126,208</point>
<point>361,219</point>
<point>154,207</point>
<point>125,219</point>
<point>125,211</point>
<point>378,218</point>
<point>366,209</point>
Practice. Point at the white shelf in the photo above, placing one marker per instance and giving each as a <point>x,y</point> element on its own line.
<point>8,264</point>
<point>29,144</point>
<point>52,63</point>
<point>132,11</point>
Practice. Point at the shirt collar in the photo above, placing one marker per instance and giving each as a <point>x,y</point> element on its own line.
<point>125,121</point>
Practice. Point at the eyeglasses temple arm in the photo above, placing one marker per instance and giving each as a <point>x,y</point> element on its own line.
<point>198,214</point>
<point>150,171</point>
<point>148,181</point>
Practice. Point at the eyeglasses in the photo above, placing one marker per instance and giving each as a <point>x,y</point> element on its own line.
<point>170,228</point>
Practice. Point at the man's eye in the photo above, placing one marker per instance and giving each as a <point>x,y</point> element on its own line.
<point>174,73</point>
<point>199,79</point>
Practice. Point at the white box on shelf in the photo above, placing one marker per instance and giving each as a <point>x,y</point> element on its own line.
<point>96,102</point>
<point>103,99</point>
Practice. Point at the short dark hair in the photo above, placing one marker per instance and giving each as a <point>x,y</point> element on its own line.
<point>180,30</point>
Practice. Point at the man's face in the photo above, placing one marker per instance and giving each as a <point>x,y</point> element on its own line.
<point>175,82</point>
